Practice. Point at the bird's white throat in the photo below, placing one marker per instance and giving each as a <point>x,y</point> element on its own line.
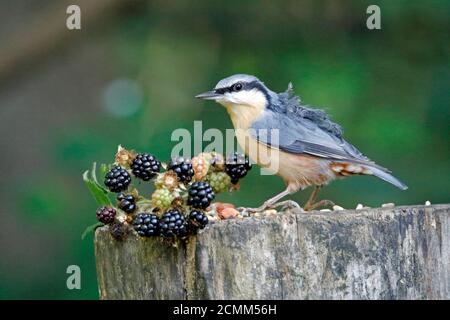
<point>244,107</point>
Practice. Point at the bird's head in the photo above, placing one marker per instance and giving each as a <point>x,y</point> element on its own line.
<point>239,90</point>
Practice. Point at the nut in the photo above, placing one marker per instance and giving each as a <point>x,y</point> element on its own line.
<point>228,213</point>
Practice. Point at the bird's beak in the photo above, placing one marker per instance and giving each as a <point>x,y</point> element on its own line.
<point>209,95</point>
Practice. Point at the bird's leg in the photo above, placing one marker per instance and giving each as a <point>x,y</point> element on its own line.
<point>321,203</point>
<point>311,204</point>
<point>288,204</point>
<point>272,203</point>
<point>312,198</point>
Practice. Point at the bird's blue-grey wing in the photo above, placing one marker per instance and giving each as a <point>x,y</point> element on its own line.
<point>299,135</point>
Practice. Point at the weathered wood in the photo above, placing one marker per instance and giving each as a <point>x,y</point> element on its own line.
<point>398,253</point>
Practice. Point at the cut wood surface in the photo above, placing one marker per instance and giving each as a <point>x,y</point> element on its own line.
<point>381,253</point>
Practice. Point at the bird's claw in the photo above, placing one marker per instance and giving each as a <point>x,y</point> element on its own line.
<point>245,211</point>
<point>249,211</point>
<point>288,205</point>
<point>321,203</point>
<point>285,205</point>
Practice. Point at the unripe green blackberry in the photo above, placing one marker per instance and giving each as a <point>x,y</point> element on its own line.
<point>147,224</point>
<point>127,202</point>
<point>197,219</point>
<point>237,165</point>
<point>200,195</point>
<point>173,224</point>
<point>219,181</point>
<point>106,215</point>
<point>162,198</point>
<point>183,168</point>
<point>145,166</point>
<point>117,179</point>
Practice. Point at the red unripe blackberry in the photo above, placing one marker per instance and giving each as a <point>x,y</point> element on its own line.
<point>197,219</point>
<point>127,202</point>
<point>117,179</point>
<point>147,225</point>
<point>145,166</point>
<point>200,195</point>
<point>106,215</point>
<point>237,165</point>
<point>173,224</point>
<point>183,168</point>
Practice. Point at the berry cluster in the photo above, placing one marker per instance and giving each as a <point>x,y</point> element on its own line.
<point>237,166</point>
<point>200,195</point>
<point>127,202</point>
<point>106,215</point>
<point>173,224</point>
<point>183,169</point>
<point>146,224</point>
<point>145,166</point>
<point>117,179</point>
<point>183,192</point>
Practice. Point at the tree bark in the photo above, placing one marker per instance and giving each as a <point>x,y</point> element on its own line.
<point>396,253</point>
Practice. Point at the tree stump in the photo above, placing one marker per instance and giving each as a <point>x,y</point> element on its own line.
<point>383,253</point>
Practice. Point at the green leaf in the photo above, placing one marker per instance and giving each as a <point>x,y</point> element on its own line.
<point>104,168</point>
<point>99,194</point>
<point>94,175</point>
<point>94,172</point>
<point>90,229</point>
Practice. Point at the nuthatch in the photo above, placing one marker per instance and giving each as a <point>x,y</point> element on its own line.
<point>310,150</point>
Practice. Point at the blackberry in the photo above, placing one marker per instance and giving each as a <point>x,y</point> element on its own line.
<point>127,202</point>
<point>173,223</point>
<point>118,231</point>
<point>117,179</point>
<point>145,166</point>
<point>200,195</point>
<point>183,168</point>
<point>198,219</point>
<point>146,225</point>
<point>237,166</point>
<point>106,215</point>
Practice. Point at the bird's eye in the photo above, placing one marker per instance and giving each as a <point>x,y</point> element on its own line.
<point>237,86</point>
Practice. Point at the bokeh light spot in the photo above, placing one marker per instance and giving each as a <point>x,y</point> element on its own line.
<point>122,97</point>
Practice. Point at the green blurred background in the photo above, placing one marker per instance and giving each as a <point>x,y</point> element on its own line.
<point>68,98</point>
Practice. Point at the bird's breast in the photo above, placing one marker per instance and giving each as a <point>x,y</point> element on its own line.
<point>243,115</point>
<point>297,170</point>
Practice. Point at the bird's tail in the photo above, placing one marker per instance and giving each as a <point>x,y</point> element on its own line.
<point>386,176</point>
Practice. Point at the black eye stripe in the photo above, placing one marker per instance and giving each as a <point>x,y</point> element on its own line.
<point>245,86</point>
<point>222,90</point>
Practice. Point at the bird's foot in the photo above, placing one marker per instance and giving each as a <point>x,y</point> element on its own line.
<point>249,211</point>
<point>319,204</point>
<point>287,205</point>
<point>243,210</point>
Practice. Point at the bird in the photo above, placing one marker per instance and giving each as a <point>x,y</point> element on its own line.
<point>308,149</point>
